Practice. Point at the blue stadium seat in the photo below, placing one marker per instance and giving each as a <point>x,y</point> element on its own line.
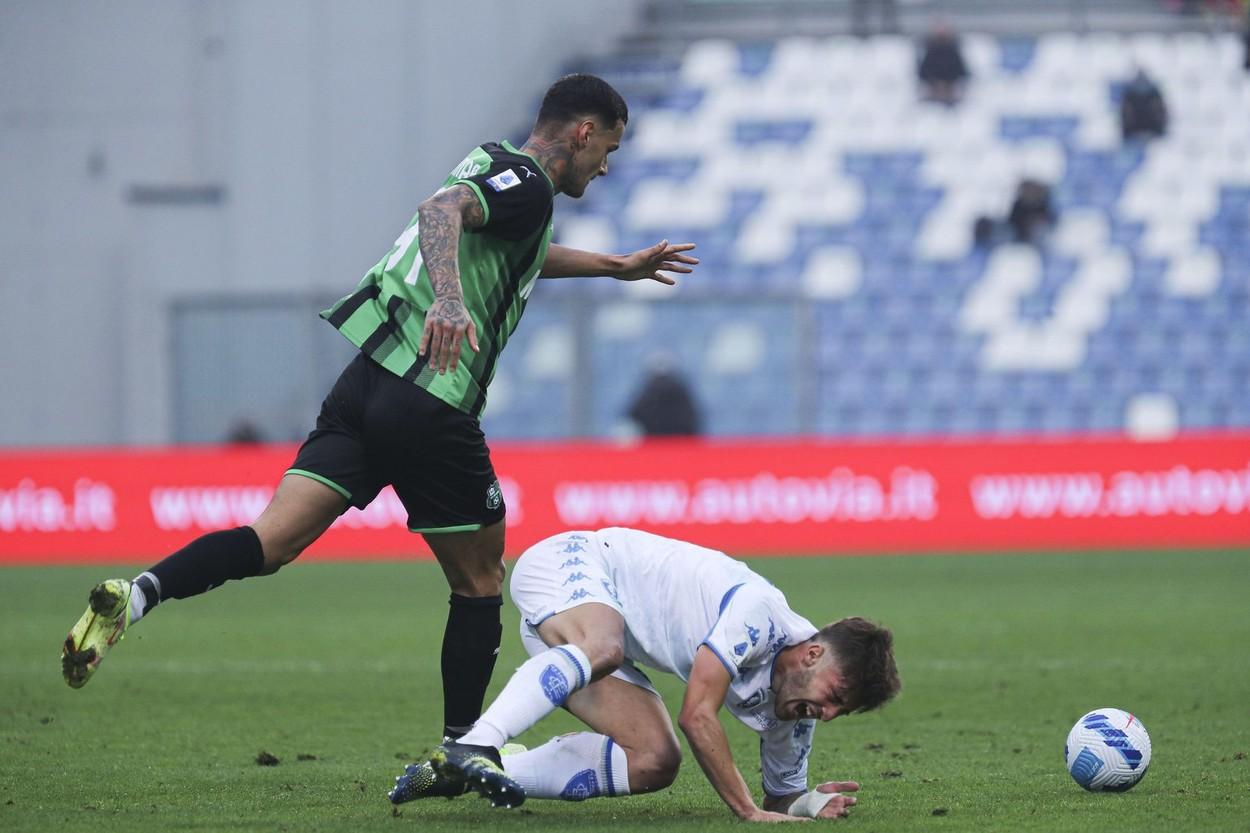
<point>893,353</point>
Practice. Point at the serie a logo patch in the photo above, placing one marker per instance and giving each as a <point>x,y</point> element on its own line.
<point>504,181</point>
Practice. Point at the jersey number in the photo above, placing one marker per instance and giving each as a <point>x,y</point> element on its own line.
<point>401,248</point>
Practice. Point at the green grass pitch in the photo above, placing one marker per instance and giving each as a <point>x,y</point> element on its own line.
<point>333,669</point>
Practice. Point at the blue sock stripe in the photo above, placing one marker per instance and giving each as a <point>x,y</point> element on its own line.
<point>607,768</point>
<point>581,674</point>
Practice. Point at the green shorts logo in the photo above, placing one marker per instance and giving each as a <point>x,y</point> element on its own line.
<point>494,496</point>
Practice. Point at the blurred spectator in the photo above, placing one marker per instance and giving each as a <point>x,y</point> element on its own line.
<point>942,72</point>
<point>1245,28</point>
<point>244,432</point>
<point>860,10</point>
<point>985,232</point>
<point>665,405</point>
<point>1032,214</point>
<point>1143,114</point>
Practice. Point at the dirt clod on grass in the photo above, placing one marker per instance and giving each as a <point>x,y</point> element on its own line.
<point>264,758</point>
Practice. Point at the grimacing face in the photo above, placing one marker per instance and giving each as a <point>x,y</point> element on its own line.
<point>591,160</point>
<point>811,691</point>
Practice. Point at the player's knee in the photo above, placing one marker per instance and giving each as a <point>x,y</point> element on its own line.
<point>605,655</point>
<point>485,579</point>
<point>277,552</point>
<point>654,768</point>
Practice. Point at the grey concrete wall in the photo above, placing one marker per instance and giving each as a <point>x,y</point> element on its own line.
<point>325,122</point>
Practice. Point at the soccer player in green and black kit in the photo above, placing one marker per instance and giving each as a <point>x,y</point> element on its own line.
<point>405,411</point>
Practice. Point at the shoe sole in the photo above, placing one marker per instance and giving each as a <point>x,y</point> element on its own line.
<point>414,785</point>
<point>78,664</point>
<point>495,787</point>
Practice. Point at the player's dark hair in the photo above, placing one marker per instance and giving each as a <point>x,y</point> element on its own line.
<point>578,95</point>
<point>864,653</point>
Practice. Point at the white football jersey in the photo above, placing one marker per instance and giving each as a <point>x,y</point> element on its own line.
<point>675,597</point>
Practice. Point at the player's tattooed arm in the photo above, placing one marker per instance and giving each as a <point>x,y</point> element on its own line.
<point>441,219</point>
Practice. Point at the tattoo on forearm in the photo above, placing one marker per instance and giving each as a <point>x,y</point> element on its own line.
<point>442,219</point>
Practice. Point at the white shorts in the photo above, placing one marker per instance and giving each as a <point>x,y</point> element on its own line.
<point>558,574</point>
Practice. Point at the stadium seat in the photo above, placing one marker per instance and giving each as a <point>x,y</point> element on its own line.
<point>834,215</point>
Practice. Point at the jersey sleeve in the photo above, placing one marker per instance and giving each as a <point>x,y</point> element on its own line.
<point>784,751</point>
<point>514,196</point>
<point>740,636</point>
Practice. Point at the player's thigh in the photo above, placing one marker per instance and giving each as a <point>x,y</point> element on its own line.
<point>331,471</point>
<point>636,719</point>
<point>299,512</point>
<point>471,560</point>
<point>437,459</point>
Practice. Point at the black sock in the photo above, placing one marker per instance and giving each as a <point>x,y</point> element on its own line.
<point>470,648</point>
<point>203,564</point>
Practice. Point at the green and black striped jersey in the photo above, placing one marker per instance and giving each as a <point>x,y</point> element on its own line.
<point>499,262</point>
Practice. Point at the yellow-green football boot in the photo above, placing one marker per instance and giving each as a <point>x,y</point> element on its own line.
<point>481,768</point>
<point>100,628</point>
<point>423,781</point>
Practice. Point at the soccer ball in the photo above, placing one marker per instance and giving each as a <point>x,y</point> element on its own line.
<point>1107,749</point>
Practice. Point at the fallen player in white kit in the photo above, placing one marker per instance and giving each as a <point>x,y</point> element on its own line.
<point>595,603</point>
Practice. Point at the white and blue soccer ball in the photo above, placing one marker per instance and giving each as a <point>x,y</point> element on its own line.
<point>1108,750</point>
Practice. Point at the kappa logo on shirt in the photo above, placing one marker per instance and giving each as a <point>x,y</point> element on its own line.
<point>504,181</point>
<point>754,700</point>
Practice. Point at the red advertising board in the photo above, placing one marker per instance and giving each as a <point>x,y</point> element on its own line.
<point>747,498</point>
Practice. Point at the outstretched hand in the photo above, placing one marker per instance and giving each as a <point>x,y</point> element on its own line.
<point>648,264</point>
<point>840,804</point>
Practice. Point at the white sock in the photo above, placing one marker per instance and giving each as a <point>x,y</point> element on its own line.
<point>139,602</point>
<point>572,768</point>
<point>538,688</point>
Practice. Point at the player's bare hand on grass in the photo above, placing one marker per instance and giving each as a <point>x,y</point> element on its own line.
<point>447,323</point>
<point>770,817</point>
<point>839,805</point>
<point>649,264</point>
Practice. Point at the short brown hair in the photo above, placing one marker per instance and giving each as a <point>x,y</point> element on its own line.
<point>578,95</point>
<point>864,654</point>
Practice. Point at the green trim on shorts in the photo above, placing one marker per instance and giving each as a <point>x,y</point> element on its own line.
<point>461,528</point>
<point>327,481</point>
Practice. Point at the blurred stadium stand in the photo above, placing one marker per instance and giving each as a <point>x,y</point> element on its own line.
<point>841,292</point>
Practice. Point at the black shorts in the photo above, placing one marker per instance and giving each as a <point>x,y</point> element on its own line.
<point>375,429</point>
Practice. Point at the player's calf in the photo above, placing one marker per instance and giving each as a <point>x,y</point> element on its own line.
<point>651,770</point>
